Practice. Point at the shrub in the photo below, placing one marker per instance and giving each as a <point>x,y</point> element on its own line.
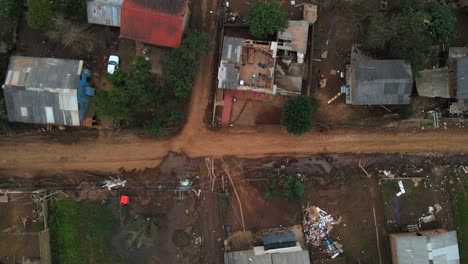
<point>11,8</point>
<point>266,18</point>
<point>271,190</point>
<point>155,128</point>
<point>293,187</point>
<point>297,112</point>
<point>39,13</point>
<point>180,65</point>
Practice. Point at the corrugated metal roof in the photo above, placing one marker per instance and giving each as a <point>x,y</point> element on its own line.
<point>232,49</point>
<point>462,78</point>
<point>247,256</point>
<point>433,83</point>
<point>386,82</point>
<point>150,23</point>
<point>104,12</point>
<point>228,76</point>
<point>42,90</point>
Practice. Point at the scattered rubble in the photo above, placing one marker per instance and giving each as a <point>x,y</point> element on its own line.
<point>114,183</point>
<point>317,225</point>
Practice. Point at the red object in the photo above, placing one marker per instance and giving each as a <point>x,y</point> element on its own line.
<point>158,22</point>
<point>123,199</point>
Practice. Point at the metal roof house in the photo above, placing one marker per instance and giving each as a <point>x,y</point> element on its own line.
<point>434,246</point>
<point>378,82</point>
<point>276,249</point>
<point>157,22</point>
<point>104,12</point>
<point>462,78</point>
<point>47,91</point>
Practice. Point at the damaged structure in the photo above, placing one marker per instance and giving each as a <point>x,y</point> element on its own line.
<point>276,249</point>
<point>378,82</point>
<point>268,67</point>
<point>448,82</point>
<point>431,246</point>
<point>47,91</point>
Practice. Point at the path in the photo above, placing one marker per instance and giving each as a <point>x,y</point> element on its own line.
<point>21,156</point>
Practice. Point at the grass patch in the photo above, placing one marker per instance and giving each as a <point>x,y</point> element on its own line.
<point>459,196</point>
<point>80,232</point>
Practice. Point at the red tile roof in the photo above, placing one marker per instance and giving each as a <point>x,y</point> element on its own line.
<point>148,22</point>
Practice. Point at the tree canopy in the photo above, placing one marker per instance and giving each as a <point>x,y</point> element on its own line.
<point>409,31</point>
<point>180,65</point>
<point>39,13</point>
<point>133,93</point>
<point>11,8</point>
<point>266,18</point>
<point>293,187</point>
<point>297,112</point>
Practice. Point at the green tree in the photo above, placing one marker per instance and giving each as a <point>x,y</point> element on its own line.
<point>409,31</point>
<point>75,9</point>
<point>266,18</point>
<point>293,188</point>
<point>155,128</point>
<point>133,93</point>
<point>39,13</point>
<point>271,190</point>
<point>442,24</point>
<point>297,112</point>
<point>180,65</point>
<point>379,33</point>
<point>11,8</point>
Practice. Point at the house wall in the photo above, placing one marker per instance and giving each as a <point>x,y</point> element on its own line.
<point>186,18</point>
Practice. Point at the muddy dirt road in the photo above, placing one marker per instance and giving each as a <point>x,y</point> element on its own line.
<point>22,156</point>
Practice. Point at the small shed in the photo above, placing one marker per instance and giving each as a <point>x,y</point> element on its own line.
<point>104,12</point>
<point>434,83</point>
<point>379,82</point>
<point>248,256</point>
<point>437,246</point>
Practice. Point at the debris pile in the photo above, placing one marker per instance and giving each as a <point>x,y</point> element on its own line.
<point>113,183</point>
<point>317,225</point>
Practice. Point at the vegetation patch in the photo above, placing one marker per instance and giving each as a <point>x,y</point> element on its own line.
<point>459,197</point>
<point>410,30</point>
<point>266,18</point>
<point>297,113</point>
<point>80,232</point>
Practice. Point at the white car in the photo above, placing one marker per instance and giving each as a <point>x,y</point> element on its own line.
<point>113,64</point>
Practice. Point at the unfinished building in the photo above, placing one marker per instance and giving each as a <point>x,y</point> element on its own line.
<point>274,67</point>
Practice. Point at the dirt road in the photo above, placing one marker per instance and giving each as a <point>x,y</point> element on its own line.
<point>25,157</point>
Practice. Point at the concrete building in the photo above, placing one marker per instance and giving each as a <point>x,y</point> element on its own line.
<point>275,67</point>
<point>432,246</point>
<point>47,91</point>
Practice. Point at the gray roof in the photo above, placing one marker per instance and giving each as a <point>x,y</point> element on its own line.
<point>228,76</point>
<point>386,82</point>
<point>248,256</point>
<point>462,78</point>
<point>42,90</point>
<point>104,12</point>
<point>442,249</point>
<point>232,48</point>
<point>434,83</point>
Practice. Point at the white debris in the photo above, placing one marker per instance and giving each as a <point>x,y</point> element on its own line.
<point>114,183</point>
<point>402,189</point>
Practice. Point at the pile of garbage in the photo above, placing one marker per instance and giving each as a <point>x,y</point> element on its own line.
<point>317,225</point>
